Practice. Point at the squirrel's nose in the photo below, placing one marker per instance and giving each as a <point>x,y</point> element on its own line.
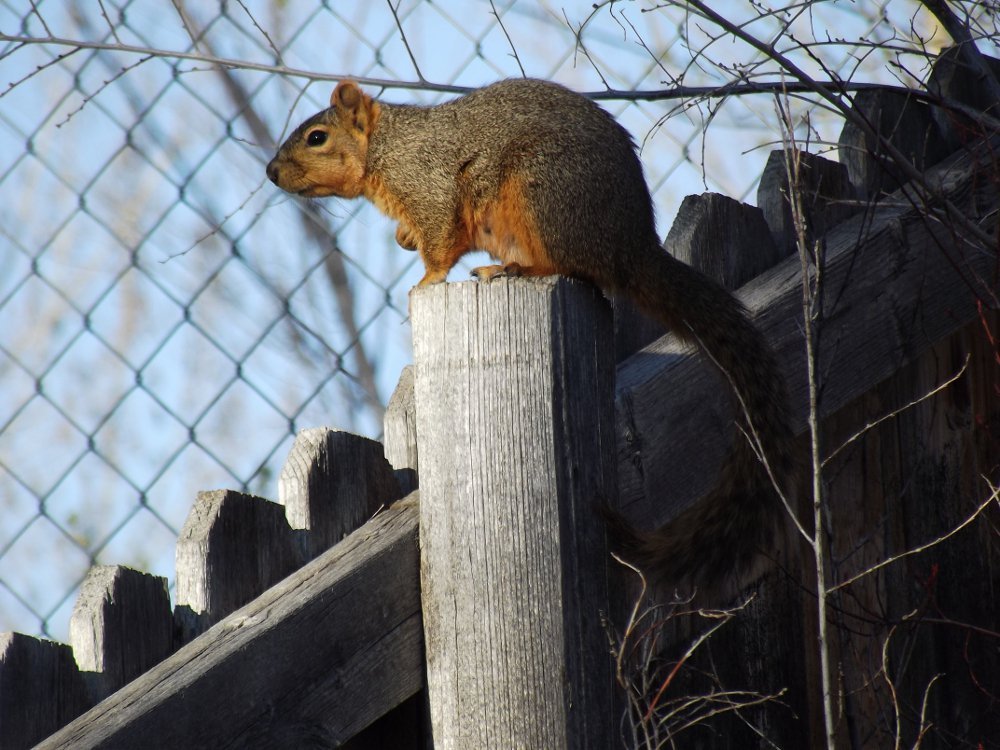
<point>272,171</point>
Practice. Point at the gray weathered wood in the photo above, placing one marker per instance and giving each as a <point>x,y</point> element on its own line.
<point>726,240</point>
<point>121,626</point>
<point>632,329</point>
<point>231,548</point>
<point>952,78</point>
<point>309,663</point>
<point>400,432</point>
<point>828,198</point>
<point>40,689</point>
<point>723,238</point>
<point>331,483</point>
<point>906,122</point>
<point>513,386</point>
<point>901,484</point>
<point>895,285</point>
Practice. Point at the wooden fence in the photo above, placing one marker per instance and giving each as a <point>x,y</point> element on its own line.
<point>320,621</point>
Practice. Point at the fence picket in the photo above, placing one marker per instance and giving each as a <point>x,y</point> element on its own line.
<point>121,626</point>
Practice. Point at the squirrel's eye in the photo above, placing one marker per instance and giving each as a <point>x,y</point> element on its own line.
<point>316,138</point>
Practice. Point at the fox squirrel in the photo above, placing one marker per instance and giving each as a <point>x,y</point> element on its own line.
<point>547,182</point>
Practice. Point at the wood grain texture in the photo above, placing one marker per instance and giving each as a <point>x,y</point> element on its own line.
<point>513,387</point>
<point>41,689</point>
<point>331,483</point>
<point>231,548</point>
<point>907,123</point>
<point>828,198</point>
<point>952,78</point>
<point>901,484</point>
<point>121,626</point>
<point>308,664</point>
<point>895,284</point>
<point>726,240</point>
<point>400,432</point>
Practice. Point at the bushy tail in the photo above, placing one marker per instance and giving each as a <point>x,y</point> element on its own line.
<point>723,535</point>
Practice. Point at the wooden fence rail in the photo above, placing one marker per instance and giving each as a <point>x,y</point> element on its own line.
<point>304,623</point>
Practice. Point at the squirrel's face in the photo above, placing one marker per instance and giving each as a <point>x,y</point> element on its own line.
<point>320,158</point>
<point>326,154</point>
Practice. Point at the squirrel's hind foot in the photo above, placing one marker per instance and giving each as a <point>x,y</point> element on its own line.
<point>488,273</point>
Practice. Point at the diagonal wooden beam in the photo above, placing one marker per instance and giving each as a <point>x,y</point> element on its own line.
<point>319,656</point>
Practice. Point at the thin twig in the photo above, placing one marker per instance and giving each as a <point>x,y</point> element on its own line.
<point>810,293</point>
<point>34,9</point>
<point>111,27</point>
<point>104,84</point>
<point>925,727</point>
<point>253,20</point>
<point>896,412</point>
<point>833,93</point>
<point>513,49</point>
<point>751,435</point>
<point>898,734</point>
<point>406,42</point>
<point>993,497</point>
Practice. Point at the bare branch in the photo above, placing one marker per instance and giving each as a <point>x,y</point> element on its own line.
<point>34,10</point>
<point>896,412</point>
<point>406,42</point>
<point>111,27</point>
<point>994,496</point>
<point>581,47</point>
<point>83,103</point>
<point>810,296</point>
<point>887,676</point>
<point>925,726</point>
<point>833,93</point>
<point>513,49</point>
<point>253,20</point>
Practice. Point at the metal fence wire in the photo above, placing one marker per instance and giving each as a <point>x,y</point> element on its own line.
<point>169,319</point>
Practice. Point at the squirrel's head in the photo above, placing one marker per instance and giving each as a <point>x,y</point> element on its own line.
<point>326,154</point>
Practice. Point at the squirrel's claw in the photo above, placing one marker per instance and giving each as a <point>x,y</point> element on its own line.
<point>488,273</point>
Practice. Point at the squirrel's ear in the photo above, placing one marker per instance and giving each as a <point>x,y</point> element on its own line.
<point>346,95</point>
<point>351,101</point>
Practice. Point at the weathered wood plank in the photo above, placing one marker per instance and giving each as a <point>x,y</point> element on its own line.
<point>513,387</point>
<point>828,198</point>
<point>121,626</point>
<point>907,123</point>
<point>315,659</point>
<point>901,484</point>
<point>231,548</point>
<point>726,240</point>
<point>41,689</point>
<point>953,78</point>
<point>400,433</point>
<point>895,283</point>
<point>331,483</point>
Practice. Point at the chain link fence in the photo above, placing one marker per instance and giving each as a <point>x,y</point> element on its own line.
<point>170,319</point>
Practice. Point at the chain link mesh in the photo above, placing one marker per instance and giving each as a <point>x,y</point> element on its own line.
<point>170,319</point>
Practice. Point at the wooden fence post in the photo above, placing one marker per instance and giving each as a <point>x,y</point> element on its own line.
<point>231,548</point>
<point>331,483</point>
<point>121,626</point>
<point>40,689</point>
<point>515,434</point>
<point>400,433</point>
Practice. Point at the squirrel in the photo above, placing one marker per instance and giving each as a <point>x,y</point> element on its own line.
<point>547,182</point>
